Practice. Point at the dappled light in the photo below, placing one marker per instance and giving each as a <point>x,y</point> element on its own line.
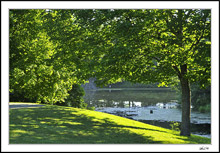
<point>66,125</point>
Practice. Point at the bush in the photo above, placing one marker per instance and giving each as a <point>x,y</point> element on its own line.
<point>201,98</point>
<point>91,108</point>
<point>75,98</point>
<point>175,126</point>
<point>19,97</point>
<point>205,109</point>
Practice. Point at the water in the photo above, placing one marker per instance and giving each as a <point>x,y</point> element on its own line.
<point>154,106</point>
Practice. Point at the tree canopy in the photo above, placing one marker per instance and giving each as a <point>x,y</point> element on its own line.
<point>50,50</point>
<point>45,58</point>
<point>150,45</point>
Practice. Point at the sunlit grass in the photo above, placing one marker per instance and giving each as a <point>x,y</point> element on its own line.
<point>66,125</point>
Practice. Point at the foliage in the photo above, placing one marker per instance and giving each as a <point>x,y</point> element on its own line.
<point>175,126</point>
<point>101,37</point>
<point>167,39</point>
<point>20,97</point>
<point>126,84</point>
<point>43,65</point>
<point>91,108</point>
<point>75,98</point>
<point>201,98</point>
<point>67,125</point>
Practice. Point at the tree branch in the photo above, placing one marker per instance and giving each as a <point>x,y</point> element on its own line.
<point>156,58</point>
<point>194,44</point>
<point>177,70</point>
<point>197,40</point>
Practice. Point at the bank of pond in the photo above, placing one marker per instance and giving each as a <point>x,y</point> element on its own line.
<point>67,125</point>
<point>157,106</point>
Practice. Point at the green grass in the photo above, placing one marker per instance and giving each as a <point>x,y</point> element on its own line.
<point>66,125</point>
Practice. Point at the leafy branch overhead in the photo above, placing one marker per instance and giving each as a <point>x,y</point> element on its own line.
<point>150,45</point>
<point>136,45</point>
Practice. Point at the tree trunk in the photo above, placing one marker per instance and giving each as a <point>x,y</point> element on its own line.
<point>186,103</point>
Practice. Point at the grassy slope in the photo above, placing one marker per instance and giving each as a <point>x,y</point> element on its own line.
<point>66,125</point>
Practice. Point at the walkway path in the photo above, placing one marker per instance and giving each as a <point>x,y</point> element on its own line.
<point>23,105</point>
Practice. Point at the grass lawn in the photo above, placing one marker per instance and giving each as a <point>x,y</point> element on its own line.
<point>66,125</point>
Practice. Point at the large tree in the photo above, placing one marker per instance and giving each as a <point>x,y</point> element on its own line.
<point>151,46</point>
<point>45,59</point>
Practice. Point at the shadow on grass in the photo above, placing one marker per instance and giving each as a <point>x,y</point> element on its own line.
<point>58,125</point>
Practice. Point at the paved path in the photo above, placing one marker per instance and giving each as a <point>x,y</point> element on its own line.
<point>23,105</point>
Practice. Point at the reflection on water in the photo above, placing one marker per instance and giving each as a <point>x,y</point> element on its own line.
<point>128,98</point>
<point>142,105</point>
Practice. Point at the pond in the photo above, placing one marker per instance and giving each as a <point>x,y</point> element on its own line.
<point>158,106</point>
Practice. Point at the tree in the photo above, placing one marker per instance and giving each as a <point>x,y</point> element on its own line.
<point>76,97</point>
<point>44,64</point>
<point>151,46</point>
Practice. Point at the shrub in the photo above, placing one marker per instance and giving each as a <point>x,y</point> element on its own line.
<point>75,98</point>
<point>20,97</point>
<point>175,126</point>
<point>201,98</point>
<point>91,108</point>
<point>205,109</point>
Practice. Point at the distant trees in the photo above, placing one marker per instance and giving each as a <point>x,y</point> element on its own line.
<point>201,98</point>
<point>127,84</point>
